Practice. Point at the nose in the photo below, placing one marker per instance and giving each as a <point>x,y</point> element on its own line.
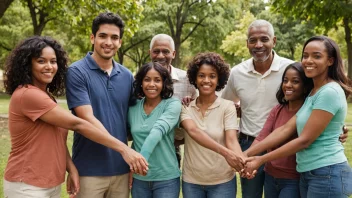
<point>288,84</point>
<point>258,44</point>
<point>108,41</point>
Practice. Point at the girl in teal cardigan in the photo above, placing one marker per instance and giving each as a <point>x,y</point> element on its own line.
<point>152,121</point>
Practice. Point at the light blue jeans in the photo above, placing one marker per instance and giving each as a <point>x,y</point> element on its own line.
<point>281,188</point>
<point>252,188</point>
<point>334,181</point>
<point>224,190</point>
<point>156,189</point>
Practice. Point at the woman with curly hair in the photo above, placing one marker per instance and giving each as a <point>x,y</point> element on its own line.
<point>152,122</point>
<point>210,122</point>
<point>39,158</point>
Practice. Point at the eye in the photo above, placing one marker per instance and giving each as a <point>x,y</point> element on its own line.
<point>252,40</point>
<point>115,37</point>
<point>213,76</point>
<point>53,62</point>
<point>317,56</point>
<point>165,52</point>
<point>201,75</point>
<point>156,51</point>
<point>285,81</point>
<point>296,82</point>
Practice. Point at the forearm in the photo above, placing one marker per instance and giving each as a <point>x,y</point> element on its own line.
<point>204,140</point>
<point>69,163</point>
<point>93,133</point>
<point>288,149</point>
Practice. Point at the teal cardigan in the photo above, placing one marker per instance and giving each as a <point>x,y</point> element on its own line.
<point>153,137</point>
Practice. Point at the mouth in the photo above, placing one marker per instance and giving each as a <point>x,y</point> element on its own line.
<point>48,74</point>
<point>288,92</point>
<point>309,68</point>
<point>151,90</point>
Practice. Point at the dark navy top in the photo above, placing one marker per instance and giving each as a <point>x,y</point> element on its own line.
<point>109,96</point>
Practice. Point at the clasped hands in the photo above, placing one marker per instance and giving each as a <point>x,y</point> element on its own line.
<point>244,165</point>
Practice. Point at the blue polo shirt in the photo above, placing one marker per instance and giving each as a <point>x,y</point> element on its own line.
<point>87,84</point>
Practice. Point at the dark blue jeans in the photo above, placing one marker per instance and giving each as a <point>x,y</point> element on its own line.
<point>252,188</point>
<point>281,188</point>
<point>224,190</point>
<point>156,189</point>
<point>334,181</point>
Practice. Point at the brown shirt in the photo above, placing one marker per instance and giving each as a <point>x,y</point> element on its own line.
<point>38,149</point>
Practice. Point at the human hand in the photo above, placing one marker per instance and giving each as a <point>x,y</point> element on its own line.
<point>130,180</point>
<point>186,100</point>
<point>235,160</point>
<point>72,183</point>
<point>135,160</point>
<point>252,164</point>
<point>343,137</point>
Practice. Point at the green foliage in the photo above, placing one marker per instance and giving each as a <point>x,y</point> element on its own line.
<point>13,29</point>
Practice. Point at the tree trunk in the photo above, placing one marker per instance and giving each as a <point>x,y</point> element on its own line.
<point>4,4</point>
<point>346,23</point>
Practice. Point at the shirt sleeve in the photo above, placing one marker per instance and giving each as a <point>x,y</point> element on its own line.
<point>230,119</point>
<point>166,122</point>
<point>35,103</point>
<point>326,100</point>
<point>269,124</point>
<point>76,88</point>
<point>229,92</point>
<point>184,114</point>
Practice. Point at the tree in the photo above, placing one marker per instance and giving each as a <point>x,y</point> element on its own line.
<point>327,13</point>
<point>186,17</point>
<point>4,4</point>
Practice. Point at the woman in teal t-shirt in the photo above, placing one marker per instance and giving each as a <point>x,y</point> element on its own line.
<point>320,156</point>
<point>152,121</point>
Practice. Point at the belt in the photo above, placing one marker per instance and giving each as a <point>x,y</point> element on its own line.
<point>246,137</point>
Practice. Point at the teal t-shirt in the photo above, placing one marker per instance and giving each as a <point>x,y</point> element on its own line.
<point>326,149</point>
<point>153,137</point>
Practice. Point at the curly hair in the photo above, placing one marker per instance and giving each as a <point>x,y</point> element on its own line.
<point>108,18</point>
<point>213,59</point>
<point>336,70</point>
<point>168,89</point>
<point>18,66</point>
<point>307,83</point>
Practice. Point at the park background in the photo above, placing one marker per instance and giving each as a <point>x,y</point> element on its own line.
<point>195,25</point>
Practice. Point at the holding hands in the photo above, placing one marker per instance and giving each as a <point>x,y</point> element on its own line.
<point>245,166</point>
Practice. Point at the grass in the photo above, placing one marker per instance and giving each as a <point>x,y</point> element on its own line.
<point>5,143</point>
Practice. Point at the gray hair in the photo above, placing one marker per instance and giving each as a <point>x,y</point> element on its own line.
<point>163,37</point>
<point>260,23</point>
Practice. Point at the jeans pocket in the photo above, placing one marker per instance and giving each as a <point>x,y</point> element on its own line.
<point>321,173</point>
<point>346,178</point>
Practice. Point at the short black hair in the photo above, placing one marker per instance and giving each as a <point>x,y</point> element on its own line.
<point>108,18</point>
<point>18,66</point>
<point>168,89</point>
<point>213,59</point>
<point>307,82</point>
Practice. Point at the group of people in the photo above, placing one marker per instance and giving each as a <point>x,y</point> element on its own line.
<point>285,107</point>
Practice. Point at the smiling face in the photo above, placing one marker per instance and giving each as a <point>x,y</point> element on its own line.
<point>207,79</point>
<point>152,84</point>
<point>106,41</point>
<point>292,85</point>
<point>162,52</point>
<point>260,44</point>
<point>315,60</point>
<point>44,68</point>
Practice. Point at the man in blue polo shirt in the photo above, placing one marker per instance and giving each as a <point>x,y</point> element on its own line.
<point>99,90</point>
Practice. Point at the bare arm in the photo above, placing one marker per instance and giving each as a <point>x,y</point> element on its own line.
<point>317,122</point>
<point>64,119</point>
<point>204,140</point>
<point>72,181</point>
<point>277,137</point>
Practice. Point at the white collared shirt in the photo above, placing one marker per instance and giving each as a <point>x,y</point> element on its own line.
<point>255,91</point>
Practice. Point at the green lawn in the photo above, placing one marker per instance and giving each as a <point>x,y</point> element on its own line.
<point>5,142</point>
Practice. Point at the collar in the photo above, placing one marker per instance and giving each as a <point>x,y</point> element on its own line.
<point>216,103</point>
<point>275,65</point>
<point>94,66</point>
<point>174,74</point>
